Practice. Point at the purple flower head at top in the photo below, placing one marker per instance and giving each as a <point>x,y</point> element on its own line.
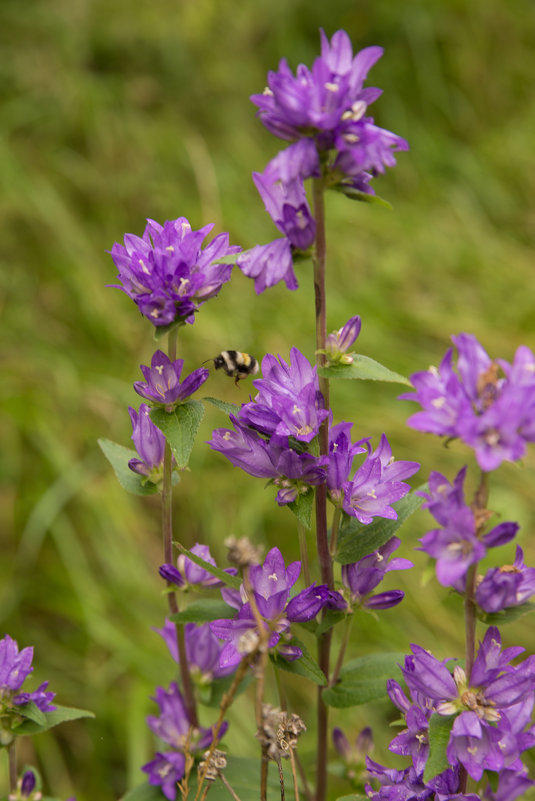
<point>490,405</point>
<point>15,667</point>
<point>362,577</point>
<point>340,341</point>
<point>167,273</point>
<point>149,442</point>
<point>458,544</point>
<point>162,385</point>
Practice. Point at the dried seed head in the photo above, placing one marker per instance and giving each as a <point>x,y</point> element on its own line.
<point>213,763</point>
<point>279,732</point>
<point>242,552</point>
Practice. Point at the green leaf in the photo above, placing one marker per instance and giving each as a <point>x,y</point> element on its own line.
<point>226,578</point>
<point>330,619</point>
<point>302,508</point>
<point>119,456</point>
<point>225,406</point>
<point>364,679</point>
<point>202,611</point>
<point>160,331</point>
<point>506,615</point>
<point>356,540</point>
<point>179,428</point>
<point>363,197</point>
<point>439,735</point>
<point>365,369</point>
<point>231,258</point>
<point>62,714</point>
<point>31,711</point>
<point>493,779</point>
<point>304,666</point>
<point>144,792</point>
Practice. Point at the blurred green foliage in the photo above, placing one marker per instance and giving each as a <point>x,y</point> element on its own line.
<point>117,111</point>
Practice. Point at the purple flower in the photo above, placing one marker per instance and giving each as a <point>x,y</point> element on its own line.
<point>362,577</point>
<point>203,650</point>
<point>194,574</point>
<point>149,442</point>
<point>269,264</point>
<point>167,273</point>
<point>165,771</point>
<point>173,725</point>
<point>490,405</point>
<point>376,485</point>
<point>340,341</point>
<point>270,584</point>
<point>506,586</point>
<point>458,544</point>
<point>162,385</point>
<point>15,667</point>
<point>286,203</point>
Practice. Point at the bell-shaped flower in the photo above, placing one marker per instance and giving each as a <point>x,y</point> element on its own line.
<point>162,385</point>
<point>149,442</point>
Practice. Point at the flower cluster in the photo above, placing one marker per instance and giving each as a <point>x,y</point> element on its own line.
<point>15,667</point>
<point>361,578</point>
<point>322,112</point>
<point>167,273</point>
<point>490,405</point>
<point>270,585</point>
<point>490,713</point>
<point>173,726</point>
<point>272,433</point>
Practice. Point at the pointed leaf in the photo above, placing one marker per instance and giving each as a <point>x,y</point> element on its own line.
<point>364,679</point>
<point>304,666</point>
<point>31,711</point>
<point>203,611</point>
<point>226,578</point>
<point>330,619</point>
<point>364,197</point>
<point>302,508</point>
<point>179,428</point>
<point>363,368</point>
<point>356,540</point>
<point>62,714</point>
<point>225,406</point>
<point>439,735</point>
<point>506,615</point>
<point>161,331</point>
<point>119,456</point>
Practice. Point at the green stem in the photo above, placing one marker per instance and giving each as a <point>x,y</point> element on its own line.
<point>303,552</point>
<point>12,758</point>
<point>324,557</point>
<point>167,537</point>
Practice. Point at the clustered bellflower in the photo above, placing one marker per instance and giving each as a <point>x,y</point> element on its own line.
<point>167,272</point>
<point>322,112</point>
<point>162,385</point>
<point>150,445</point>
<point>361,578</point>
<point>173,727</point>
<point>270,584</point>
<point>15,667</point>
<point>188,573</point>
<point>459,542</point>
<point>491,727</point>
<point>489,404</point>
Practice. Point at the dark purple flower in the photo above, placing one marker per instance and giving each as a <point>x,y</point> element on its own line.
<point>167,273</point>
<point>149,442</point>
<point>40,697</point>
<point>490,405</point>
<point>203,650</point>
<point>506,586</point>
<point>362,577</point>
<point>165,771</point>
<point>171,574</point>
<point>286,203</point>
<point>305,605</point>
<point>162,385</point>
<point>173,725</point>
<point>15,665</point>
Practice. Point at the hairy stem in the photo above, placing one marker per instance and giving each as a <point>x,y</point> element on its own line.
<point>324,557</point>
<point>167,537</point>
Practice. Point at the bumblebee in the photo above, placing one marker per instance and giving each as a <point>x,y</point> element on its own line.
<point>236,364</point>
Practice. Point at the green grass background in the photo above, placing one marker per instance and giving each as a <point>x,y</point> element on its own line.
<point>117,111</point>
